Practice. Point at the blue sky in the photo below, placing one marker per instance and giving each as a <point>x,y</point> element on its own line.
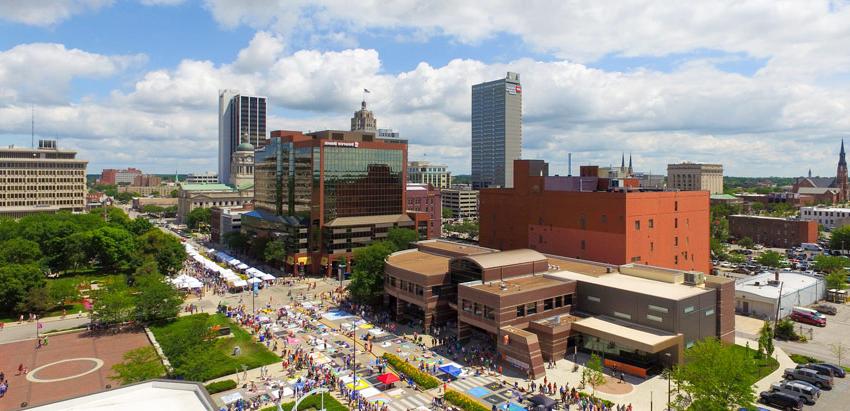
<point>125,82</point>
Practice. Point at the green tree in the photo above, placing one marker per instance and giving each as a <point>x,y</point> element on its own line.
<point>770,258</point>
<point>61,292</point>
<point>757,208</point>
<point>113,304</point>
<point>840,239</point>
<point>766,339</point>
<point>199,218</point>
<point>155,299</point>
<point>117,217</point>
<point>8,228</point>
<point>746,242</point>
<point>36,301</point>
<point>447,212</point>
<point>16,280</point>
<point>828,263</point>
<point>592,373</point>
<point>152,209</point>
<point>367,279</point>
<point>174,193</point>
<point>402,238</point>
<point>19,251</point>
<point>124,197</point>
<point>77,251</point>
<point>140,226</point>
<point>718,249</point>
<point>275,252</point>
<point>236,241</point>
<point>139,365</point>
<point>837,279</point>
<point>165,249</point>
<point>717,376</point>
<point>785,330</point>
<point>114,248</point>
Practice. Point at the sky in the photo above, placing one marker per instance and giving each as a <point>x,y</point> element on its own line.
<point>761,86</point>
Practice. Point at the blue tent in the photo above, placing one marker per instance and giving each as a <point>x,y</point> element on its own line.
<point>451,370</point>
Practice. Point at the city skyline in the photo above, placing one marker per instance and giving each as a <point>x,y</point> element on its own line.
<point>716,91</point>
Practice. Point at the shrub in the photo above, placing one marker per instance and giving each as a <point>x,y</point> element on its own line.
<point>424,380</point>
<point>802,359</point>
<point>463,401</point>
<point>313,402</point>
<point>220,386</point>
<point>586,395</point>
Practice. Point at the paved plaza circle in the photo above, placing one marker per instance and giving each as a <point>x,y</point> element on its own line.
<point>97,362</point>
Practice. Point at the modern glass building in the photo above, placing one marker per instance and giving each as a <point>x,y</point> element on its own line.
<point>241,119</point>
<point>328,193</point>
<point>496,131</point>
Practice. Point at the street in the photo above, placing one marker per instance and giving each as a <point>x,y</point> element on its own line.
<point>16,332</point>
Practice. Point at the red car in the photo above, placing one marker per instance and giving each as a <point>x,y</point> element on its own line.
<point>807,318</point>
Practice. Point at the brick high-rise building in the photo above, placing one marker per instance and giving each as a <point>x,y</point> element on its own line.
<point>426,198</point>
<point>665,229</point>
<point>114,176</point>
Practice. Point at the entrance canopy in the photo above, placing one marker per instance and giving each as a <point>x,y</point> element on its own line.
<point>628,335</point>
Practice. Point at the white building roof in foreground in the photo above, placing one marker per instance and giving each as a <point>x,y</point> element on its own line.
<point>791,283</point>
<point>633,284</point>
<point>144,396</point>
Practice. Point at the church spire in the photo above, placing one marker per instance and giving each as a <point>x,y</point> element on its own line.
<point>630,163</point>
<point>841,159</point>
<point>623,161</point>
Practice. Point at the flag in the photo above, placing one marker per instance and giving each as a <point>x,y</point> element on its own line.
<point>366,90</point>
<point>40,325</point>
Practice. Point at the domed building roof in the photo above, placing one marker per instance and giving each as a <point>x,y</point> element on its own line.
<point>245,147</point>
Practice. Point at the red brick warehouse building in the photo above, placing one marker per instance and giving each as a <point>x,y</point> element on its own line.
<point>596,220</point>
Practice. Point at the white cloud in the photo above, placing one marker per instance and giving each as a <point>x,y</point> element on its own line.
<point>47,12</point>
<point>162,2</point>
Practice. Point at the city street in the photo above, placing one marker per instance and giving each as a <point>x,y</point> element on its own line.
<point>26,330</point>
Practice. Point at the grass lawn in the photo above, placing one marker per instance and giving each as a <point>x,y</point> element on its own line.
<point>764,365</point>
<point>199,358</point>
<point>85,276</point>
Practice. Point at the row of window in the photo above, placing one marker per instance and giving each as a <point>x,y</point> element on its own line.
<point>406,286</point>
<point>548,304</point>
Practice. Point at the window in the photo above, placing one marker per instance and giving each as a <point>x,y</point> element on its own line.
<point>604,218</point>
<point>675,259</point>
<point>467,306</point>
<point>635,258</point>
<point>676,241</point>
<point>675,223</point>
<point>548,304</point>
<point>651,246</point>
<point>489,313</point>
<point>568,299</point>
<point>651,223</point>
<point>592,298</point>
<point>583,245</point>
<point>658,309</point>
<point>675,206</point>
<point>531,308</point>
<point>477,309</point>
<point>709,312</point>
<point>520,311</point>
<point>419,290</point>
<point>559,302</point>
<point>689,309</point>
<point>622,315</point>
<point>392,281</point>
<point>655,318</point>
<point>637,224</point>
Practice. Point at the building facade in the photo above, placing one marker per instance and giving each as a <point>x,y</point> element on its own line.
<point>826,190</point>
<point>423,172</point>
<point>114,176</point>
<point>496,131</point>
<point>328,193</point>
<point>534,307</point>
<point>163,190</point>
<point>192,196</point>
<point>758,295</point>
<point>205,178</point>
<point>226,220</point>
<point>364,120</point>
<point>146,180</point>
<point>241,119</point>
<point>426,199</point>
<point>664,229</point>
<point>462,203</point>
<point>695,177</point>
<point>164,202</point>
<point>829,217</point>
<point>41,180</point>
<point>772,231</point>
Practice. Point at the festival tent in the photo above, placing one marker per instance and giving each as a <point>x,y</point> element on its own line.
<point>223,256</point>
<point>199,258</point>
<point>451,369</point>
<point>242,266</point>
<point>254,280</point>
<point>239,283</point>
<point>388,378</point>
<point>253,272</point>
<point>267,277</point>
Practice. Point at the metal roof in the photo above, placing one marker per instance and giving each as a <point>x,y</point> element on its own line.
<point>505,258</point>
<point>366,220</point>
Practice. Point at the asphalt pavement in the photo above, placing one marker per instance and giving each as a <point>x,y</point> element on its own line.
<point>27,330</point>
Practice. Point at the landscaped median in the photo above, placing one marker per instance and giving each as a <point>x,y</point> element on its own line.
<point>219,386</point>
<point>313,402</point>
<point>423,379</point>
<point>463,401</point>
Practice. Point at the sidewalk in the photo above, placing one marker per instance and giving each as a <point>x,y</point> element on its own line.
<point>44,320</point>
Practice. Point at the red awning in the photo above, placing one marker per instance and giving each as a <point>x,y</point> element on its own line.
<point>388,378</point>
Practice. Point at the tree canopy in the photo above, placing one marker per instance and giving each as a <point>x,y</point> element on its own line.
<point>829,263</point>
<point>139,365</point>
<point>840,239</point>
<point>164,248</point>
<point>367,279</point>
<point>770,258</point>
<point>402,238</point>
<point>199,218</point>
<point>717,376</point>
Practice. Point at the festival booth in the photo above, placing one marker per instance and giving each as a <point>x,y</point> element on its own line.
<point>184,281</point>
<point>222,256</point>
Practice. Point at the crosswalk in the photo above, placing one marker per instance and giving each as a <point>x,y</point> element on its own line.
<point>409,402</point>
<point>464,384</point>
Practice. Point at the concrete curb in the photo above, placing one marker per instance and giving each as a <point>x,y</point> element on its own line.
<point>159,352</point>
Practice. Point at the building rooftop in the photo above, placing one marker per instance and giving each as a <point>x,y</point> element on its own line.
<point>634,284</point>
<point>371,219</point>
<point>584,267</point>
<point>723,197</point>
<point>816,208</point>
<point>791,283</point>
<point>459,248</point>
<point>764,217</point>
<point>206,187</point>
<point>154,394</point>
<point>504,258</point>
<point>517,284</point>
<point>420,262</point>
<point>648,339</point>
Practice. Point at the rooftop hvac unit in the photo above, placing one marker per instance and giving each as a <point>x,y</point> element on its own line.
<point>694,278</point>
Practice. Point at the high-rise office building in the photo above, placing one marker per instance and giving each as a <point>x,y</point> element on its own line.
<point>423,172</point>
<point>496,131</point>
<point>241,119</point>
<point>41,180</point>
<point>364,120</point>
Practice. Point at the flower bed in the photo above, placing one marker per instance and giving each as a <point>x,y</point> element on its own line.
<point>423,379</point>
<point>463,401</point>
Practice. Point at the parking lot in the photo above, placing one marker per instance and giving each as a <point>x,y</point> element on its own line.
<point>821,339</point>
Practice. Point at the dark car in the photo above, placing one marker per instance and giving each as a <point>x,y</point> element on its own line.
<point>808,375</point>
<point>836,370</point>
<point>782,401</point>
<point>826,309</point>
<point>819,368</point>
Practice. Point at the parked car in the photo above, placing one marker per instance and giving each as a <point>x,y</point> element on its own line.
<point>808,375</point>
<point>826,309</point>
<point>782,401</point>
<point>808,318</point>
<point>822,370</point>
<point>806,393</point>
<point>836,370</point>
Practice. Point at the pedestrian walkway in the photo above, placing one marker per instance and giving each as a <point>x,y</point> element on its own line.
<point>468,383</point>
<point>409,402</point>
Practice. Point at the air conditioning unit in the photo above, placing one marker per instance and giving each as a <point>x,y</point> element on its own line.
<point>694,278</point>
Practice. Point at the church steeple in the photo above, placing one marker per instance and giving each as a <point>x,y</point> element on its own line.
<point>623,161</point>
<point>841,160</point>
<point>630,164</point>
<point>841,175</point>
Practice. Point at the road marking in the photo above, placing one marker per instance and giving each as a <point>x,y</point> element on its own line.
<point>32,378</point>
